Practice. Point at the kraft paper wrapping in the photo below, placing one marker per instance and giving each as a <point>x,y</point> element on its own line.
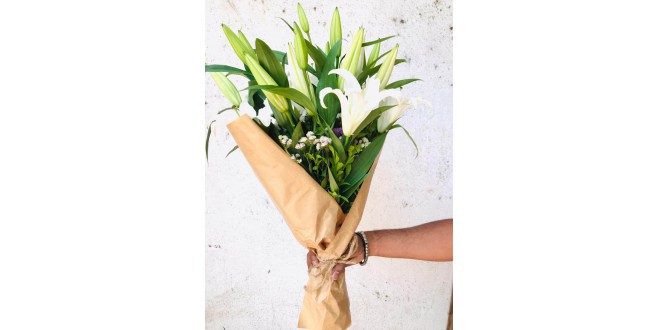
<point>314,217</point>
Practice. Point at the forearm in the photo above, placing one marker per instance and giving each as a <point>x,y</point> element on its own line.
<point>430,241</point>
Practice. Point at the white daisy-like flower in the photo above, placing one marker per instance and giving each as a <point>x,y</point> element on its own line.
<point>310,136</point>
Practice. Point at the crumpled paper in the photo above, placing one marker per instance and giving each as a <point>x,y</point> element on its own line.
<point>314,218</point>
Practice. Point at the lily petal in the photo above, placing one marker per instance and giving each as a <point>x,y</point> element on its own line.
<point>351,84</point>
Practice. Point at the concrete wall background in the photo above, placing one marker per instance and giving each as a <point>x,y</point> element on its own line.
<point>255,270</point>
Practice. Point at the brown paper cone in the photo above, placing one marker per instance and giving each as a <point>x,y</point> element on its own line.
<point>314,217</point>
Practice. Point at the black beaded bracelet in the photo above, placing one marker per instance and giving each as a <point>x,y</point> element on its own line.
<point>365,248</point>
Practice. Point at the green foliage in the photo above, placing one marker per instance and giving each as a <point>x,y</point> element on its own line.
<point>270,63</point>
<point>400,83</point>
<point>374,42</point>
<point>328,115</point>
<point>228,69</point>
<point>408,135</point>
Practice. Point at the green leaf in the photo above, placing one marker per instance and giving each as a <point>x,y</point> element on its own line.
<point>316,54</point>
<point>284,21</point>
<point>400,83</point>
<point>256,98</point>
<point>328,80</point>
<point>351,189</point>
<point>228,69</point>
<point>380,57</point>
<point>270,63</point>
<point>208,138</point>
<point>371,71</point>
<point>226,109</point>
<point>332,181</point>
<point>335,142</point>
<point>376,41</point>
<point>234,149</point>
<point>361,165</point>
<point>297,133</point>
<point>408,135</point>
<point>289,93</point>
<point>371,117</point>
<point>281,56</point>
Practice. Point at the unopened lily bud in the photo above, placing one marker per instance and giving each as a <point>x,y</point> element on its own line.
<point>227,88</point>
<point>300,48</point>
<point>302,17</point>
<point>336,32</point>
<point>247,46</point>
<point>374,53</point>
<point>238,46</point>
<point>386,69</point>
<point>351,61</point>
<point>263,78</point>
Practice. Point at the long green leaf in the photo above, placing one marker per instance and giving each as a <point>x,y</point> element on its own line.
<point>284,21</point>
<point>408,135</point>
<point>370,118</point>
<point>297,133</point>
<point>365,44</point>
<point>332,181</point>
<point>352,188</point>
<point>228,69</point>
<point>234,149</point>
<point>281,56</point>
<point>371,71</point>
<point>226,109</point>
<point>316,54</point>
<point>363,163</point>
<point>270,63</point>
<point>335,142</point>
<point>208,138</point>
<point>379,58</point>
<point>289,93</point>
<point>328,80</point>
<point>400,83</point>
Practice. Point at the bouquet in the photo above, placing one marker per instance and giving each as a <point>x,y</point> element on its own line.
<point>312,122</point>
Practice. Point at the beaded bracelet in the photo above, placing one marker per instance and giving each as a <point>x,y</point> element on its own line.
<point>365,248</point>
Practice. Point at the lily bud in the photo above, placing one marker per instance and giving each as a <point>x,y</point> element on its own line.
<point>351,61</point>
<point>336,32</point>
<point>362,62</point>
<point>374,53</point>
<point>299,79</point>
<point>300,48</point>
<point>227,88</point>
<point>386,69</point>
<point>238,46</point>
<point>247,46</point>
<point>302,17</point>
<point>263,78</point>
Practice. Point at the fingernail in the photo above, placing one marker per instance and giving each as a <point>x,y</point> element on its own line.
<point>334,275</point>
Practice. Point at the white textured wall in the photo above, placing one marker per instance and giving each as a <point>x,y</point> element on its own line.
<point>255,270</point>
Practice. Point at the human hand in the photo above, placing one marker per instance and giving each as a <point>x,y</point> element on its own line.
<point>312,260</point>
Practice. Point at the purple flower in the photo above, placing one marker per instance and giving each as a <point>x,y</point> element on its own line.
<point>338,131</point>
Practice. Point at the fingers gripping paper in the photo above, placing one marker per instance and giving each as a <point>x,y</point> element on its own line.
<point>314,217</point>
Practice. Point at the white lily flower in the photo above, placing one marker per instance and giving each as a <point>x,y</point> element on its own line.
<point>357,103</point>
<point>390,116</point>
<point>264,114</point>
